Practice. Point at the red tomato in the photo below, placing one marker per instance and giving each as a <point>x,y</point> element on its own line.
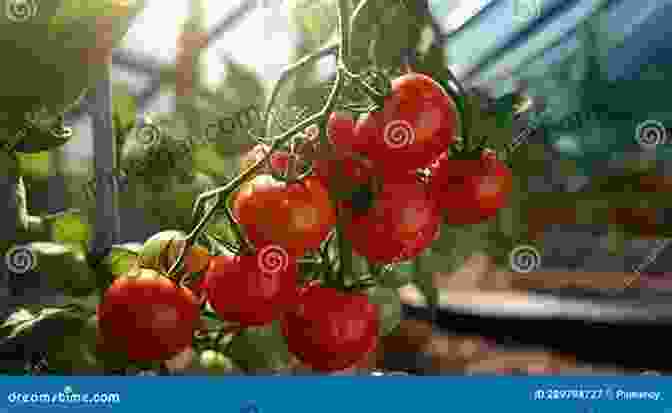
<point>470,191</point>
<point>418,121</point>
<point>295,216</point>
<point>147,317</point>
<point>341,132</point>
<point>329,330</point>
<point>401,221</point>
<point>253,289</point>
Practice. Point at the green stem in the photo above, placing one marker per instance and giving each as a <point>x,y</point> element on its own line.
<point>244,244</point>
<point>287,72</point>
<point>225,191</point>
<point>344,26</point>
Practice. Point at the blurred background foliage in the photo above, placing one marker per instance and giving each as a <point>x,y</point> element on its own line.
<point>192,155</point>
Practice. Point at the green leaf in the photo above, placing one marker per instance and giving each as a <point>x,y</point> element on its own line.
<point>59,50</point>
<point>424,281</point>
<point>69,227</point>
<point>260,349</point>
<point>35,165</point>
<point>32,329</point>
<point>242,84</point>
<point>364,34</point>
<point>76,353</point>
<point>316,19</point>
<point>455,244</point>
<point>242,96</point>
<point>64,268</point>
<point>389,304</point>
<point>496,125</point>
<point>398,31</point>
<point>398,276</point>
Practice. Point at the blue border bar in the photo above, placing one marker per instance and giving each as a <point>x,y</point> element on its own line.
<point>389,394</point>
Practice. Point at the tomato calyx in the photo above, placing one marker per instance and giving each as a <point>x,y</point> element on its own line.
<point>361,199</point>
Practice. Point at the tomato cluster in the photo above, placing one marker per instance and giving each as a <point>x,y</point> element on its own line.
<point>367,182</point>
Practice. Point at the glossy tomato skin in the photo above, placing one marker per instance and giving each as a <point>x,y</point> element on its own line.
<point>402,221</point>
<point>418,122</point>
<point>342,134</point>
<point>329,330</point>
<point>470,191</point>
<point>295,216</point>
<point>147,317</point>
<point>254,289</point>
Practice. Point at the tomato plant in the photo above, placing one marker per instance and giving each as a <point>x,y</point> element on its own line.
<point>330,330</point>
<point>252,289</point>
<point>164,316</point>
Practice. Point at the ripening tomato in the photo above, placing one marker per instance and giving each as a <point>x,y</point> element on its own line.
<point>145,316</point>
<point>342,135</point>
<point>252,289</point>
<point>395,223</point>
<point>279,160</point>
<point>419,120</point>
<point>330,330</point>
<point>296,216</point>
<point>470,191</point>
